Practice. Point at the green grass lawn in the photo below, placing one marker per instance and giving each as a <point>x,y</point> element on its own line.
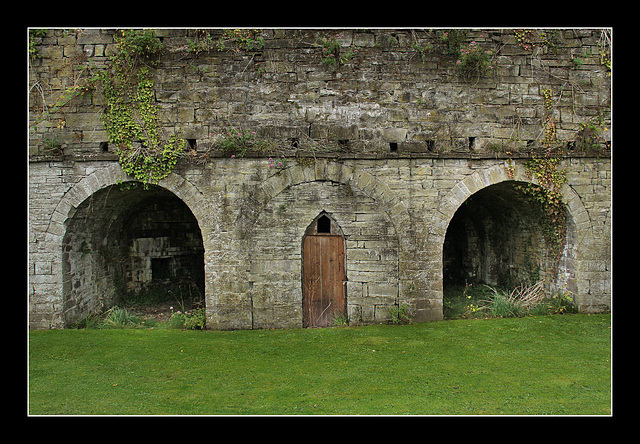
<point>540,365</point>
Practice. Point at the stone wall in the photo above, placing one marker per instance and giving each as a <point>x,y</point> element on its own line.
<point>252,234</point>
<point>397,86</point>
<point>391,142</point>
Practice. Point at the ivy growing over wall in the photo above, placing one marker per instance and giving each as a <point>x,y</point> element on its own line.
<point>548,197</point>
<point>131,114</point>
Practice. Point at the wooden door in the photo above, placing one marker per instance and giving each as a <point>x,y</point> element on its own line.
<point>323,280</point>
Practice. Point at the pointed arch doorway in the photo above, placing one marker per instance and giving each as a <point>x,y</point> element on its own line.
<point>323,273</point>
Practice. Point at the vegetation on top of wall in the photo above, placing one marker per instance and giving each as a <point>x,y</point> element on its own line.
<point>131,111</point>
<point>235,39</point>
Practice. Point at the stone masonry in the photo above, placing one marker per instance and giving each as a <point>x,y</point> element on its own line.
<point>389,139</point>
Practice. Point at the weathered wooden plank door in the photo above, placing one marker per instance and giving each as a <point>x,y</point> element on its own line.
<point>323,278</point>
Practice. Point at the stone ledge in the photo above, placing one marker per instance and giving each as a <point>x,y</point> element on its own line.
<point>335,156</point>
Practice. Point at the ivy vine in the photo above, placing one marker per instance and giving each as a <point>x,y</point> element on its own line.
<point>548,196</point>
<point>131,113</point>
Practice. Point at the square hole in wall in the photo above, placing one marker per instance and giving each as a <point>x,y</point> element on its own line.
<point>393,146</point>
<point>160,268</point>
<point>431,145</point>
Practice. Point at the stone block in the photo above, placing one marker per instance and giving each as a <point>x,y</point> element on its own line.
<point>394,134</point>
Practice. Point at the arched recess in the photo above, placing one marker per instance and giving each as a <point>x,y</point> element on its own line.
<point>116,236</point>
<point>492,194</point>
<point>497,237</point>
<point>112,175</point>
<point>270,226</point>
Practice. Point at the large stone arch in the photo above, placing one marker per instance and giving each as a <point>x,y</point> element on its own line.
<point>112,175</point>
<point>491,176</point>
<point>324,170</point>
<point>232,298</point>
<point>578,221</point>
<point>64,218</point>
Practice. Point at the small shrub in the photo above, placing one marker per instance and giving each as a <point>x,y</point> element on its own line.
<point>561,303</point>
<point>117,317</point>
<point>465,302</point>
<point>176,320</point>
<point>196,320</point>
<point>191,320</point>
<point>340,319</point>
<point>521,301</point>
<point>399,314</point>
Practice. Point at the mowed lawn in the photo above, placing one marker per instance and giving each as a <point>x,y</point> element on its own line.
<point>541,365</point>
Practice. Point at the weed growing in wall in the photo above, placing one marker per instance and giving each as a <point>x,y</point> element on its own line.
<point>452,40</point>
<point>332,53</point>
<point>604,49</point>
<point>589,138</point>
<point>278,163</point>
<point>34,36</point>
<point>528,39</point>
<point>399,314</point>
<point>474,61</point>
<point>238,141</point>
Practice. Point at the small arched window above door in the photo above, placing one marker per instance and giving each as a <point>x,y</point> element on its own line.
<point>323,224</point>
